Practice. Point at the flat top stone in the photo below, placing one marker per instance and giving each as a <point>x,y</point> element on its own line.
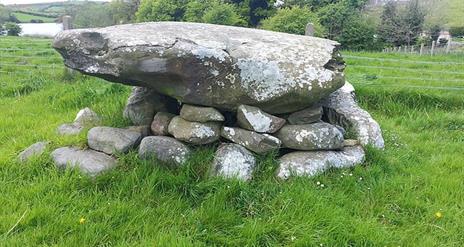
<point>210,65</point>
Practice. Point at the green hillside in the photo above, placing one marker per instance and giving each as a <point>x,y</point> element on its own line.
<point>25,18</point>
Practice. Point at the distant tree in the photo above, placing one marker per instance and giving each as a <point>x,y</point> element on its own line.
<point>121,11</point>
<point>223,13</point>
<point>317,4</point>
<point>293,20</point>
<point>161,10</point>
<point>358,34</point>
<point>91,14</point>
<point>389,24</point>
<point>13,29</point>
<point>333,18</point>
<point>435,31</point>
<point>412,22</point>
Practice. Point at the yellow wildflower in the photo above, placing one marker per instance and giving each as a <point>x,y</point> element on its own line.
<point>82,221</point>
<point>438,215</point>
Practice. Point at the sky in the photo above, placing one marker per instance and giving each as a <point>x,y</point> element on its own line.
<point>34,1</point>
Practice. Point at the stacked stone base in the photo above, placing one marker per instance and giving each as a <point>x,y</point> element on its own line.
<point>311,140</point>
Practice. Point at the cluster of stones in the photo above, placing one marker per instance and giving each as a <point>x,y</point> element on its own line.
<point>254,91</point>
<point>310,145</point>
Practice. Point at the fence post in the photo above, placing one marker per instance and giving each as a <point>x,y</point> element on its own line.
<point>448,45</point>
<point>421,49</point>
<point>67,25</point>
<point>309,30</point>
<point>433,48</point>
<point>412,49</point>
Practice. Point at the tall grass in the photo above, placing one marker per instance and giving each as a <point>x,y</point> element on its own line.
<point>389,201</point>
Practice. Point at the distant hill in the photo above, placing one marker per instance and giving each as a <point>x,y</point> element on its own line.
<point>448,13</point>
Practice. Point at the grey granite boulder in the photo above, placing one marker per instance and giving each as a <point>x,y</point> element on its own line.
<point>84,118</point>
<point>316,136</point>
<point>164,148</point>
<point>233,161</point>
<point>194,132</point>
<point>143,103</point>
<point>159,125</point>
<point>306,116</point>
<point>210,65</point>
<point>258,143</point>
<point>341,108</point>
<point>88,161</point>
<point>252,118</point>
<point>311,163</point>
<point>35,149</point>
<point>112,140</point>
<point>144,130</point>
<point>200,114</point>
<point>87,117</point>
<point>70,129</point>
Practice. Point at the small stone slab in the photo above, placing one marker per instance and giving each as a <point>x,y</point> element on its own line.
<point>341,108</point>
<point>144,130</point>
<point>253,118</point>
<point>194,132</point>
<point>70,129</point>
<point>143,103</point>
<point>316,136</point>
<point>233,161</point>
<point>160,123</point>
<point>306,116</point>
<point>314,162</point>
<point>112,140</point>
<point>35,149</point>
<point>87,117</point>
<point>200,114</point>
<point>258,143</point>
<point>164,148</point>
<point>351,143</point>
<point>88,161</point>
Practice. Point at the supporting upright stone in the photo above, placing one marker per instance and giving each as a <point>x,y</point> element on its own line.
<point>233,161</point>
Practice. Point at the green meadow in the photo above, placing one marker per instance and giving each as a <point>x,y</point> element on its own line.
<point>410,194</point>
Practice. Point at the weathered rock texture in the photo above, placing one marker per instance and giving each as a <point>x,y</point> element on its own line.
<point>341,108</point>
<point>143,103</point>
<point>258,143</point>
<point>200,114</point>
<point>252,118</point>
<point>306,116</point>
<point>314,162</point>
<point>84,118</point>
<point>88,161</point>
<point>166,149</point>
<point>35,149</point>
<point>112,140</point>
<point>317,136</point>
<point>209,65</point>
<point>194,132</point>
<point>160,124</point>
<point>233,161</point>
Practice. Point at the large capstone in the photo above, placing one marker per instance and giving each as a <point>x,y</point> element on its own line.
<point>209,65</point>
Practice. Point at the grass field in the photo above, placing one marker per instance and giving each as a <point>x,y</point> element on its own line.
<point>392,200</point>
<point>26,18</point>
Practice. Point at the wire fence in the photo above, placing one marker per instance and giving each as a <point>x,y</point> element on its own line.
<point>364,70</point>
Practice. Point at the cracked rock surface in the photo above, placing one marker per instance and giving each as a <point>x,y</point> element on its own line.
<point>234,161</point>
<point>209,65</point>
<point>314,162</point>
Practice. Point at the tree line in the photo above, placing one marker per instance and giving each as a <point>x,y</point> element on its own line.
<point>345,21</point>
